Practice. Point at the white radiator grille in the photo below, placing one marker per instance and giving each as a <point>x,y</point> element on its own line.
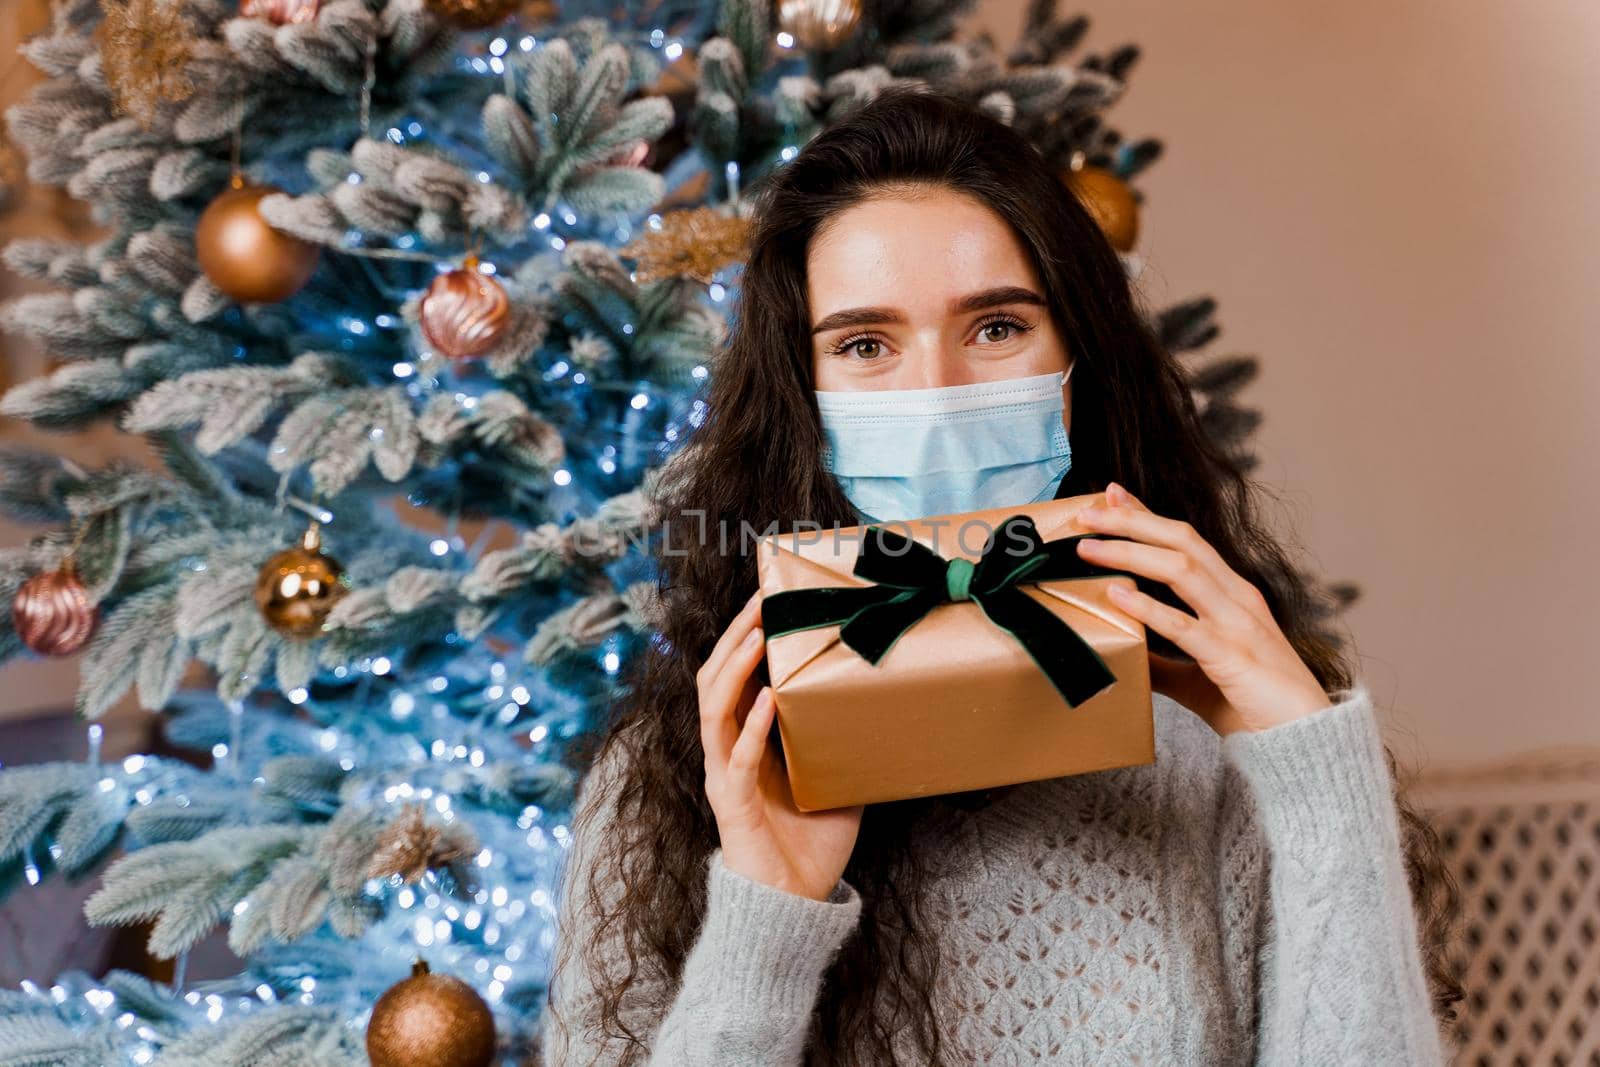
<point>1523,840</point>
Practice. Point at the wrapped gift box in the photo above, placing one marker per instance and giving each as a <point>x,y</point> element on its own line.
<point>872,707</point>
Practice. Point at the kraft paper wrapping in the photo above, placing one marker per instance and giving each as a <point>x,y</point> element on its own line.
<point>957,703</point>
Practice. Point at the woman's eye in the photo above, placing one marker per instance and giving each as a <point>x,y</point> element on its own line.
<point>865,348</point>
<point>1007,328</point>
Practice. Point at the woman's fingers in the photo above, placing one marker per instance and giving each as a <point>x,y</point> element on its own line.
<point>744,766</point>
<point>1138,522</point>
<point>1197,585</point>
<point>719,700</point>
<point>1194,636</point>
<point>748,617</point>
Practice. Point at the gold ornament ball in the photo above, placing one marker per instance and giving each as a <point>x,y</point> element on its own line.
<point>1111,202</point>
<point>819,24</point>
<point>430,1020</point>
<point>297,587</point>
<point>473,14</point>
<point>244,256</point>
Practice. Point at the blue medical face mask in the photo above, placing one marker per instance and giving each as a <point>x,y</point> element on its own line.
<point>908,453</point>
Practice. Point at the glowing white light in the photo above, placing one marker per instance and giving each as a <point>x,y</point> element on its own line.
<point>438,546</point>
<point>133,764</point>
<point>497,47</point>
<point>698,373</point>
<point>520,694</point>
<point>562,476</point>
<point>673,50</point>
<point>381,665</point>
<point>717,291</point>
<point>639,401</point>
<point>538,733</point>
<point>403,704</point>
<point>541,221</point>
<point>611,662</point>
<point>403,370</point>
<point>785,39</point>
<point>298,695</point>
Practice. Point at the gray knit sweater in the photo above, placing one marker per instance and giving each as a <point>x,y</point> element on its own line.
<point>1241,900</point>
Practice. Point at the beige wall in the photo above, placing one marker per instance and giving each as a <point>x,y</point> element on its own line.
<point>1395,204</point>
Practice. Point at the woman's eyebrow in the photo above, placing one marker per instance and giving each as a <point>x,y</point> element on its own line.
<point>984,298</point>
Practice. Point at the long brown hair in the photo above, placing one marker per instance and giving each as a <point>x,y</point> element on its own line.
<point>755,460</point>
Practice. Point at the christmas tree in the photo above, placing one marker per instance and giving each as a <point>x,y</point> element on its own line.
<point>411,299</point>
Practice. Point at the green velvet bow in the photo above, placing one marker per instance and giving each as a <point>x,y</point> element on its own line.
<point>912,579</point>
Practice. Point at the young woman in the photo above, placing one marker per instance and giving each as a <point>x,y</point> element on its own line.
<point>920,287</point>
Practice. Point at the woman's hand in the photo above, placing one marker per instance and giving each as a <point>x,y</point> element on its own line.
<point>764,836</point>
<point>1246,674</point>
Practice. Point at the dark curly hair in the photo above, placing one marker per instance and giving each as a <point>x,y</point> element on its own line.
<point>755,459</point>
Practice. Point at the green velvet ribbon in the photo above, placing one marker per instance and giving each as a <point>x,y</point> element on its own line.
<point>911,579</point>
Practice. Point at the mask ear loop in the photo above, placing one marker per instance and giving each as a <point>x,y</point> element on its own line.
<point>1070,367</point>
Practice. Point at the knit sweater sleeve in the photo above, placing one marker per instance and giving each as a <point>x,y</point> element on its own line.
<point>748,986</point>
<point>1320,906</point>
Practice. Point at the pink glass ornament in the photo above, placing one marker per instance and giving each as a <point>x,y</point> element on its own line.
<point>52,613</point>
<point>464,312</point>
<point>282,12</point>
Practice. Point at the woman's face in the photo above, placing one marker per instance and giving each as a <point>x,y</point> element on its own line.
<point>926,287</point>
